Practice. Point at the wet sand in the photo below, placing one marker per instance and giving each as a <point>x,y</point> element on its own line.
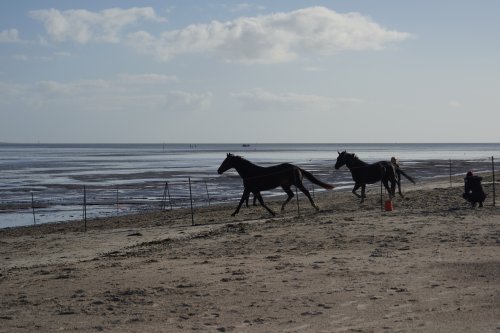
<point>431,265</point>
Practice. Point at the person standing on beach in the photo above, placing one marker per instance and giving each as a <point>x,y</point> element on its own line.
<point>473,190</point>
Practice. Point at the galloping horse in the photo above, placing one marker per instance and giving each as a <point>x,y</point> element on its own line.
<point>257,179</point>
<point>363,173</point>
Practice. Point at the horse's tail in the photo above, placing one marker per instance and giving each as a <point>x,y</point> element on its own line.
<point>401,172</point>
<point>315,180</point>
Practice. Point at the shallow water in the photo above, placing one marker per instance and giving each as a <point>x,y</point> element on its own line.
<point>134,175</point>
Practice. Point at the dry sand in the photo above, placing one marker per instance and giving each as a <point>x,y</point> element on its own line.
<point>431,265</point>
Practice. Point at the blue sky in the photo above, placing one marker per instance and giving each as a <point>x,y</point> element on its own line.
<point>261,71</point>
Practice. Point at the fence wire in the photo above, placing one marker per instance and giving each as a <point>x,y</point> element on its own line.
<point>196,195</point>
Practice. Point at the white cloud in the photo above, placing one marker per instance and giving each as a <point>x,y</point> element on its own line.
<point>21,57</point>
<point>10,36</point>
<point>147,78</point>
<point>83,26</point>
<point>182,101</point>
<point>125,93</point>
<point>455,104</point>
<point>32,58</point>
<point>11,89</point>
<point>273,38</point>
<point>242,7</point>
<point>262,100</point>
<point>313,69</point>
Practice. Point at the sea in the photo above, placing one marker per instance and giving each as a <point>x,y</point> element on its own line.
<point>44,183</point>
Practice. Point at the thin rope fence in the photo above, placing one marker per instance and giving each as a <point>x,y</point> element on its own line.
<point>90,201</point>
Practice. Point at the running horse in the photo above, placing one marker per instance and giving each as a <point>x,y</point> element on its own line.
<point>257,178</point>
<point>363,173</point>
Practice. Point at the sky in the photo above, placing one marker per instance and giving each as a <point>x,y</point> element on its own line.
<point>387,71</point>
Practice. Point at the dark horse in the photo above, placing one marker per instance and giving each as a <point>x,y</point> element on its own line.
<point>257,179</point>
<point>363,173</point>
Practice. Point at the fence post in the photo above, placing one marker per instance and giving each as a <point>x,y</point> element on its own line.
<point>164,198</point>
<point>450,173</point>
<point>381,195</point>
<point>208,195</point>
<point>33,208</point>
<point>191,200</point>
<point>85,207</point>
<point>493,173</point>
<point>169,198</point>
<point>117,204</point>
<point>296,193</point>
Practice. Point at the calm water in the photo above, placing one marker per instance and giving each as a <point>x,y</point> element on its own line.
<point>122,177</point>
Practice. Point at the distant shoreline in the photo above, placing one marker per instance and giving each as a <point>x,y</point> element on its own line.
<point>242,143</point>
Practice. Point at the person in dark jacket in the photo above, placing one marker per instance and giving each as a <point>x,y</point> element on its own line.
<point>473,190</point>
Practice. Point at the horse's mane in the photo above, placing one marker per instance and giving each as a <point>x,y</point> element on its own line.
<point>238,157</point>
<point>353,157</point>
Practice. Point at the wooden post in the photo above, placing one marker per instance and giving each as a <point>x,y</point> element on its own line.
<point>381,196</point>
<point>33,208</point>
<point>117,206</point>
<point>191,200</point>
<point>85,208</point>
<point>450,173</point>
<point>493,174</point>
<point>297,194</point>
<point>169,198</point>
<point>164,198</point>
<point>208,195</point>
<point>381,191</point>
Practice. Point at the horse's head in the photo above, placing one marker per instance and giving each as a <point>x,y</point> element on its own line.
<point>227,164</point>
<point>343,158</point>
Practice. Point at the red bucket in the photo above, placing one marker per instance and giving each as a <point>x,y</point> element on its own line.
<point>388,206</point>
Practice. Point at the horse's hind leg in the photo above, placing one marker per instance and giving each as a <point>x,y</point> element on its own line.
<point>259,197</point>
<point>290,196</point>
<point>308,195</point>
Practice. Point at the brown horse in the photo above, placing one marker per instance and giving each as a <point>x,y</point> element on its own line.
<point>257,179</point>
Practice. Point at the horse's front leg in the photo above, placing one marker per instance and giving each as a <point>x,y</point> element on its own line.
<point>356,187</point>
<point>259,197</point>
<point>244,197</point>
<point>363,195</point>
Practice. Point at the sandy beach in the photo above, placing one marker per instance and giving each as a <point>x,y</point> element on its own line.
<point>431,265</point>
